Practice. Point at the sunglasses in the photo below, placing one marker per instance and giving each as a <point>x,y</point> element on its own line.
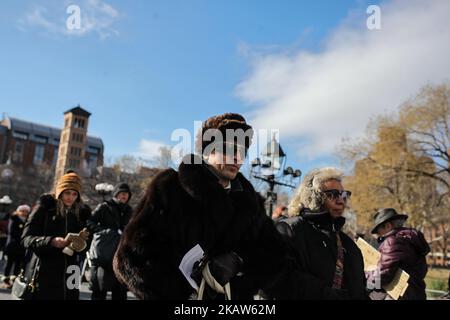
<point>335,194</point>
<point>232,149</point>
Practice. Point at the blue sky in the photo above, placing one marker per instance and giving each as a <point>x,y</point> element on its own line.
<point>145,68</point>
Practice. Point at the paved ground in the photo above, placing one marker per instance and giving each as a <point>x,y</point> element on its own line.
<point>85,293</point>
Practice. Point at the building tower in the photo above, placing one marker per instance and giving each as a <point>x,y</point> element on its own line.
<point>73,140</point>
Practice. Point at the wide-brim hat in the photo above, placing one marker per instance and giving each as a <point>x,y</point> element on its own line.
<point>386,215</point>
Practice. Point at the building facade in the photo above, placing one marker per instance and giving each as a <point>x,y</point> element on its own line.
<point>27,144</point>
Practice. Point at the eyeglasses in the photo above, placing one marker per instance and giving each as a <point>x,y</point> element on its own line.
<point>335,194</point>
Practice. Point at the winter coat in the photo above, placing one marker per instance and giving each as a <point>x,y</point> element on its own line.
<point>406,249</point>
<point>109,215</point>
<point>43,225</point>
<point>113,216</point>
<point>189,207</point>
<point>312,237</point>
<point>15,230</point>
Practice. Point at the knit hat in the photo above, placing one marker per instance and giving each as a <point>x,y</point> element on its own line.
<point>225,124</point>
<point>24,207</point>
<point>69,181</point>
<point>122,187</point>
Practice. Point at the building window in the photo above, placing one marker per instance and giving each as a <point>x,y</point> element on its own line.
<point>75,151</point>
<point>40,139</point>
<point>66,123</point>
<point>77,137</point>
<point>39,151</point>
<point>20,135</point>
<point>79,123</point>
<point>74,164</point>
<point>94,150</point>
<point>92,162</point>
<point>55,155</point>
<point>18,152</point>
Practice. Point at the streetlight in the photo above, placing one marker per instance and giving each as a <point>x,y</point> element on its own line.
<point>271,169</point>
<point>104,189</point>
<point>6,200</point>
<point>4,203</point>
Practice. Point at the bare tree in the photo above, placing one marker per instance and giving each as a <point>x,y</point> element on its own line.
<point>403,162</point>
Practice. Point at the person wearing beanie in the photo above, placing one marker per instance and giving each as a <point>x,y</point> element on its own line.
<point>207,202</point>
<point>55,216</point>
<point>331,264</point>
<point>14,249</point>
<point>107,223</point>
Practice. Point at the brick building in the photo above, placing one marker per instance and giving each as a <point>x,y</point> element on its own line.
<point>24,143</point>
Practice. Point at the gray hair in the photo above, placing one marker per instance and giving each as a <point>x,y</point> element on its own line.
<point>309,194</point>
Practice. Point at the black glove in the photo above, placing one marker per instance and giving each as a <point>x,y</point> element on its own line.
<point>225,266</point>
<point>197,270</point>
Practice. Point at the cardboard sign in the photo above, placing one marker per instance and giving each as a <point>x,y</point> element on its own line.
<point>372,256</point>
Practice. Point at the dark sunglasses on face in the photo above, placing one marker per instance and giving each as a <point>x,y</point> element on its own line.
<point>233,149</point>
<point>335,194</point>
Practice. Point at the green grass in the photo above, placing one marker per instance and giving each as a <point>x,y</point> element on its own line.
<point>437,279</point>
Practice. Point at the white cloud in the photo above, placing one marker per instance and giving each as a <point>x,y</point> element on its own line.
<point>96,16</point>
<point>320,97</point>
<point>149,149</point>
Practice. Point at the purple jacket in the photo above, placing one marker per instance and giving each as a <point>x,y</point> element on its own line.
<point>406,249</point>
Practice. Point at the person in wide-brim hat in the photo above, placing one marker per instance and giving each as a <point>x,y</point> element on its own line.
<point>400,247</point>
<point>386,215</point>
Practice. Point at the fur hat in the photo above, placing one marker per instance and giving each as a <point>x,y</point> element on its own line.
<point>69,181</point>
<point>309,194</point>
<point>222,123</point>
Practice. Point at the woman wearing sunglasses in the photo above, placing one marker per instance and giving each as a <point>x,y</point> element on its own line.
<point>331,263</point>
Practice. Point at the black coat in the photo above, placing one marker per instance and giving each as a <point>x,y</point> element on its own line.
<point>15,230</point>
<point>189,207</point>
<point>43,225</point>
<point>109,215</point>
<point>314,246</point>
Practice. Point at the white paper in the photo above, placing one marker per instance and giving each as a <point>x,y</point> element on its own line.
<point>188,261</point>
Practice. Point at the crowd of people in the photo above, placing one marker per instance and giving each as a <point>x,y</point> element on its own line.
<point>36,242</point>
<point>300,252</point>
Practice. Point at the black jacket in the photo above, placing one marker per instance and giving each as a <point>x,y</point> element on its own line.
<point>313,242</point>
<point>112,217</point>
<point>42,226</point>
<point>15,230</point>
<point>189,207</point>
<point>109,215</point>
